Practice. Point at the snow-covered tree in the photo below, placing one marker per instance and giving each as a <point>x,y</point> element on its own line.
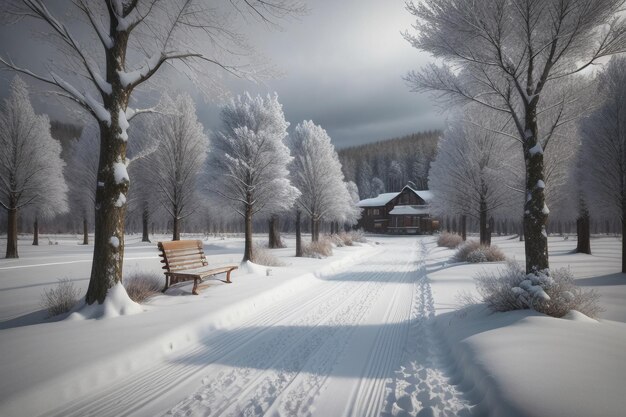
<point>122,45</point>
<point>316,172</point>
<point>377,186</point>
<point>82,176</point>
<point>604,148</point>
<point>247,163</point>
<point>31,169</point>
<point>173,169</point>
<point>505,54</point>
<point>471,175</point>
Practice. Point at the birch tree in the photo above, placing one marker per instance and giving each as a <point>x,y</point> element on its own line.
<point>503,54</point>
<point>247,164</point>
<point>173,169</point>
<point>131,41</point>
<point>31,169</point>
<point>604,148</point>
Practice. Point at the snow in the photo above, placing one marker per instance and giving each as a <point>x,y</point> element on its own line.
<point>117,303</point>
<point>121,200</point>
<point>123,125</point>
<point>129,78</point>
<point>373,330</point>
<point>100,112</point>
<point>537,149</point>
<point>378,201</point>
<point>114,241</point>
<point>545,209</point>
<point>540,184</point>
<point>409,210</point>
<point>120,173</point>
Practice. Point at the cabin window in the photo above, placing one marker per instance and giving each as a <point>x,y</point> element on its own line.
<point>376,212</point>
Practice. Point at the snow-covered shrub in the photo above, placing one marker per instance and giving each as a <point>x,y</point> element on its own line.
<point>336,240</point>
<point>141,285</point>
<point>60,299</point>
<point>472,251</point>
<point>263,256</point>
<point>449,240</point>
<point>553,293</point>
<point>320,249</point>
<point>358,236</point>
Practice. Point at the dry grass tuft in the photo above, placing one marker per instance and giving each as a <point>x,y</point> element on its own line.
<point>60,299</point>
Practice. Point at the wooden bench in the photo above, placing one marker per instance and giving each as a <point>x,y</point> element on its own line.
<point>184,260</point>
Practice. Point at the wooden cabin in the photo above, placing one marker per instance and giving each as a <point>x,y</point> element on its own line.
<point>404,212</point>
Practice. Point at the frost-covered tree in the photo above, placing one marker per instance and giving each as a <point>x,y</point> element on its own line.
<point>31,169</point>
<point>122,45</point>
<point>505,54</point>
<point>604,148</point>
<point>471,175</point>
<point>173,169</point>
<point>82,176</point>
<point>247,164</point>
<point>377,186</point>
<point>316,172</point>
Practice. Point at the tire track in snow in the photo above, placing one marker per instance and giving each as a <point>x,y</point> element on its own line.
<point>316,353</point>
<point>299,399</point>
<point>140,389</point>
<point>420,386</point>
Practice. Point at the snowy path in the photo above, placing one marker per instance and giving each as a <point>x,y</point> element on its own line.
<point>357,343</point>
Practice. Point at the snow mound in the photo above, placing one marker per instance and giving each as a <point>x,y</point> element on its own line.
<point>117,303</point>
<point>578,316</point>
<point>248,267</point>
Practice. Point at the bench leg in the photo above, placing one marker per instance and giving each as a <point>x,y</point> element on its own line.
<point>228,277</point>
<point>166,284</point>
<point>194,290</point>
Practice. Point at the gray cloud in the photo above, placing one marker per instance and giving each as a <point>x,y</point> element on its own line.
<point>343,66</point>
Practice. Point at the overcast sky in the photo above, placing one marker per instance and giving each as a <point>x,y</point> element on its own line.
<point>343,65</point>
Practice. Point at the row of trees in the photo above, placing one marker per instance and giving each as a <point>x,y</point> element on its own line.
<point>520,59</point>
<point>248,167</point>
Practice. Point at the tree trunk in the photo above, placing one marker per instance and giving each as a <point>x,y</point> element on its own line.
<point>274,232</point>
<point>12,234</point>
<point>463,223</point>
<point>145,219</point>
<point>315,229</point>
<point>623,238</point>
<point>85,230</point>
<point>490,227</point>
<point>108,250</point>
<point>176,228</point>
<point>36,232</point>
<point>484,227</point>
<point>247,250</point>
<point>521,231</point>
<point>535,213</point>
<point>583,226</point>
<point>298,235</point>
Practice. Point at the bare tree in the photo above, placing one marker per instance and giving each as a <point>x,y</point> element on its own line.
<point>604,148</point>
<point>471,175</point>
<point>247,165</point>
<point>31,169</point>
<point>131,40</point>
<point>505,53</point>
<point>172,170</point>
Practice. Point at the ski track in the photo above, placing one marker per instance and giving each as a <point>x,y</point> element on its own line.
<point>420,386</point>
<point>279,362</point>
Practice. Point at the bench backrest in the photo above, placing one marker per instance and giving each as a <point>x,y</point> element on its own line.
<point>182,254</point>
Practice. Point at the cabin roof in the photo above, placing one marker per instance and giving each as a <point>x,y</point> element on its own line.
<point>408,210</point>
<point>383,199</point>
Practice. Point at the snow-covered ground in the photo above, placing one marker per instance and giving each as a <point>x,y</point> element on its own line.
<point>373,330</point>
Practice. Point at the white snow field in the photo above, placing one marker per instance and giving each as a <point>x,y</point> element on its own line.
<point>374,330</point>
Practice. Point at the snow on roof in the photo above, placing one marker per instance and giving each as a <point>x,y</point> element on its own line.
<point>410,210</point>
<point>381,200</point>
<point>425,195</point>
